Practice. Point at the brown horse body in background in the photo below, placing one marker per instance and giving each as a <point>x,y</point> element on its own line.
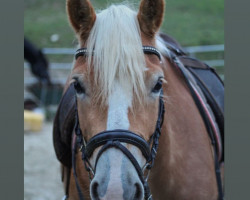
<point>184,166</point>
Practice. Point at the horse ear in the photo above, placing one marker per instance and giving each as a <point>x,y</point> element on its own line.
<point>150,16</point>
<point>81,16</point>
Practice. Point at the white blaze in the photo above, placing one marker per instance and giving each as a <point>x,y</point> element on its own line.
<point>119,102</point>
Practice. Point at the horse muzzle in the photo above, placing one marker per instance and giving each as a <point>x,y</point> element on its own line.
<point>136,187</point>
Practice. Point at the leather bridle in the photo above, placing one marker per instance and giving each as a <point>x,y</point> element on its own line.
<point>114,138</point>
<point>146,50</point>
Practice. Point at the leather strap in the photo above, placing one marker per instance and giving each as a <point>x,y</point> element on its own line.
<point>146,50</point>
<point>74,151</point>
<point>125,151</point>
<point>207,125</point>
<point>117,135</point>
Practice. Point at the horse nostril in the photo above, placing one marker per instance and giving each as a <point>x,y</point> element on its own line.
<point>94,192</point>
<point>138,191</point>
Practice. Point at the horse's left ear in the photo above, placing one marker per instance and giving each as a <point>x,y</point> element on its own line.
<point>150,16</point>
<point>81,16</point>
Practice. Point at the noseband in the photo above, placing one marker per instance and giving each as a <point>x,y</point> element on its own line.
<point>114,138</point>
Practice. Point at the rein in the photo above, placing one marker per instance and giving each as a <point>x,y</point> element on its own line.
<point>207,122</point>
<point>113,139</point>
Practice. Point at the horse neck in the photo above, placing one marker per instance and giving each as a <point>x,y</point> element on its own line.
<point>184,158</point>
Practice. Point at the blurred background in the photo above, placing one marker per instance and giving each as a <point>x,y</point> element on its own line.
<point>198,25</point>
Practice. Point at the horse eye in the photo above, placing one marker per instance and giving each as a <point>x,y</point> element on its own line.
<point>157,87</point>
<point>79,89</point>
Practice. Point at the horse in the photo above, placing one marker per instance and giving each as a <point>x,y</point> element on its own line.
<point>134,131</point>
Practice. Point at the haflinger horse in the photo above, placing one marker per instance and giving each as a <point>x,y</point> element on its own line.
<point>131,103</point>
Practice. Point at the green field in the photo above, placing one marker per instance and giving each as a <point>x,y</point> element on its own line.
<point>191,22</point>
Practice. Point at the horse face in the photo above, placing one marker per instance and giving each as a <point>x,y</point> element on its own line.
<point>115,176</point>
<point>118,89</point>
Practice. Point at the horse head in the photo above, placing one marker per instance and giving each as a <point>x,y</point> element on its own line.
<point>117,89</point>
<point>121,72</point>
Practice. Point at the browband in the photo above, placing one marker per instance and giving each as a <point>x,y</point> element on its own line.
<point>146,50</point>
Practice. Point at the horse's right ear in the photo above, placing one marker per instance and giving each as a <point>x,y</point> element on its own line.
<point>150,16</point>
<point>81,16</point>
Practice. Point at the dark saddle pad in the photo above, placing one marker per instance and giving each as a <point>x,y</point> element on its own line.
<point>63,126</point>
<point>206,77</point>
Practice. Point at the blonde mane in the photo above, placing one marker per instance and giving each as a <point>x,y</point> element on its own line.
<point>118,57</point>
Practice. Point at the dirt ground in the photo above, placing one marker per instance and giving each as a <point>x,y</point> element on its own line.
<point>42,178</point>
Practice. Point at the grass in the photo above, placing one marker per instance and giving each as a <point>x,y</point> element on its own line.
<point>191,22</point>
<point>45,18</point>
<point>195,22</point>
